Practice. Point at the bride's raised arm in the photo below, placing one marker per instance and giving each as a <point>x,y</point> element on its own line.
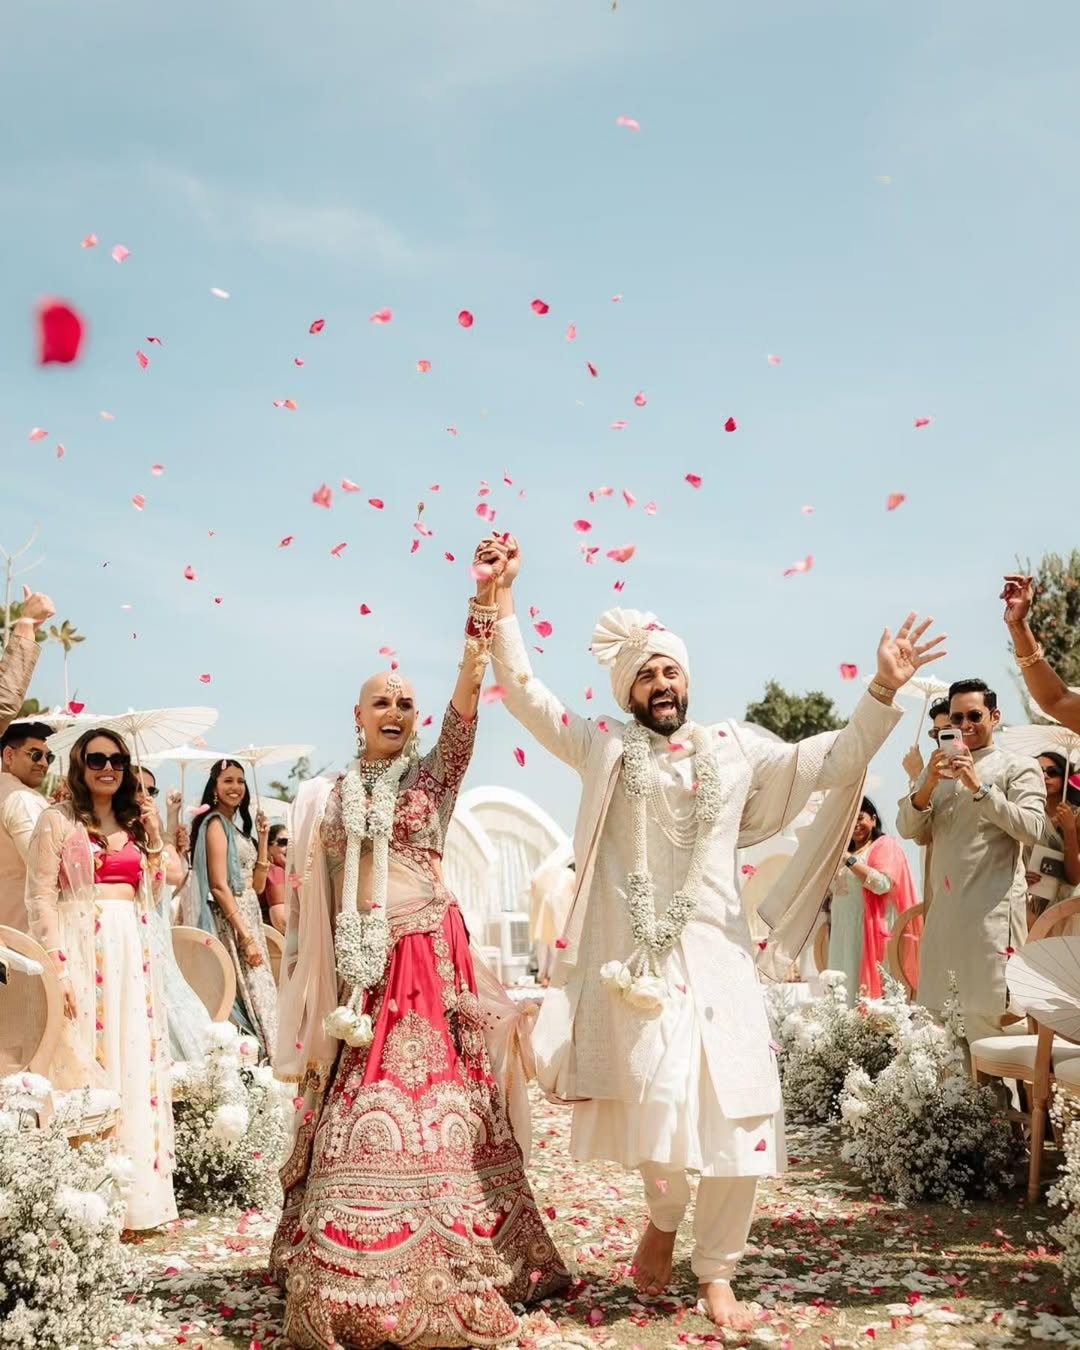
<point>489,561</point>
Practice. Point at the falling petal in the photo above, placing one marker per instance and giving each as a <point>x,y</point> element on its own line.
<point>640,399</point>
<point>543,629</point>
<point>218,293</point>
<point>592,369</point>
<point>731,424</point>
<point>449,557</point>
<point>619,426</point>
<point>60,451</point>
<point>894,500</point>
<point>807,510</point>
<point>107,416</point>
<point>382,316</point>
<point>120,253</point>
<point>619,585</point>
<point>365,610</point>
<point>571,332</point>
<point>142,359</point>
<point>317,326</point>
<point>465,319</point>
<point>376,502</point>
<point>453,431</point>
<point>694,479</point>
<point>38,434</point>
<point>91,241</point>
<point>138,501</point>
<point>423,367</point>
<point>922,422</point>
<point>322,497</point>
<point>204,679</point>
<point>494,693</point>
<point>540,307</point>
<point>298,360</point>
<point>60,333</point>
<point>189,574</point>
<point>485,512</point>
<point>621,555</point>
<point>287,541</point>
<point>617,299</point>
<point>288,403</point>
<point>338,550</point>
<point>157,470</point>
<point>848,671</point>
<point>582,526</point>
<point>630,123</point>
<point>804,566</point>
<point>347,485</point>
<point>519,755</point>
<point>773,360</point>
<point>628,497</point>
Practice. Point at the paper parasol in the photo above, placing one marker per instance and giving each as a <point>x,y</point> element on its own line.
<point>1036,739</point>
<point>183,755</point>
<point>1044,981</point>
<point>150,732</point>
<point>260,756</point>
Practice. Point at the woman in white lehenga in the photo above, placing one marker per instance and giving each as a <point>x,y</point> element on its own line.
<point>92,871</point>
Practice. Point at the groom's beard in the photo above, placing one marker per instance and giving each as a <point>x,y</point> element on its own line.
<point>665,724</point>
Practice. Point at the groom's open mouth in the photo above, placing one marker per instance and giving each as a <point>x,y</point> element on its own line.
<point>660,705</point>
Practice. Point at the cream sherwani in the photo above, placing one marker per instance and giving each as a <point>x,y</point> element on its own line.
<point>977,882</point>
<point>20,808</point>
<point>695,1088</point>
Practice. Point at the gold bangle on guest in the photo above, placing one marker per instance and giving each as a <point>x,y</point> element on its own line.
<point>1032,659</point>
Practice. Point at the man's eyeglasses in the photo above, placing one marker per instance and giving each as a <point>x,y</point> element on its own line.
<point>975,716</point>
<point>37,756</point>
<point>97,760</point>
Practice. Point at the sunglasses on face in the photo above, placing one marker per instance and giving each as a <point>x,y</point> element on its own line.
<point>281,842</point>
<point>97,760</point>
<point>1051,771</point>
<point>974,717</point>
<point>37,756</point>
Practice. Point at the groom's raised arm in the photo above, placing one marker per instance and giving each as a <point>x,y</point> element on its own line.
<point>566,734</point>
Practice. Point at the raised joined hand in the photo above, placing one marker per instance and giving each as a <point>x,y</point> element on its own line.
<point>1019,595</point>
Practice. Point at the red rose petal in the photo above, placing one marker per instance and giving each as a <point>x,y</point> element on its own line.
<point>60,333</point>
<point>847,671</point>
<point>543,629</point>
<point>539,307</point>
<point>322,497</point>
<point>592,369</point>
<point>423,367</point>
<point>189,574</point>
<point>922,422</point>
<point>731,424</point>
<point>519,755</point>
<point>317,326</point>
<point>382,316</point>
<point>465,319</point>
<point>694,479</point>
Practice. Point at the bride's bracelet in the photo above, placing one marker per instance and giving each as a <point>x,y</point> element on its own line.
<point>480,629</point>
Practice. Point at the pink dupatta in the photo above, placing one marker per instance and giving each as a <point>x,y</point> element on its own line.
<point>888,857</point>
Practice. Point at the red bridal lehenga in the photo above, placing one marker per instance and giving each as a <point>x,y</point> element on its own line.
<point>408,1216</point>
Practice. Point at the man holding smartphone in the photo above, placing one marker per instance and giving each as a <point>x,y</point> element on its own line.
<point>978,805</point>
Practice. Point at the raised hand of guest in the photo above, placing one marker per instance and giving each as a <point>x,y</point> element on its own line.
<point>1019,595</point>
<point>902,656</point>
<point>37,608</point>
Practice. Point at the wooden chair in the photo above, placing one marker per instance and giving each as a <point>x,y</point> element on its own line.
<point>902,951</point>
<point>208,968</point>
<point>1033,1060</point>
<point>31,1009</point>
<point>821,948</point>
<point>275,945</point>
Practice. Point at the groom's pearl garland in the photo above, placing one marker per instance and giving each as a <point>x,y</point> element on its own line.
<point>362,942</point>
<point>638,979</point>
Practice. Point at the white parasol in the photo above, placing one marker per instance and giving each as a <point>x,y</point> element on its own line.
<point>1035,740</point>
<point>183,755</point>
<point>1044,981</point>
<point>926,687</point>
<point>149,732</point>
<point>261,756</point>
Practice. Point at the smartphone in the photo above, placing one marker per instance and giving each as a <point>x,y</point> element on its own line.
<point>951,740</point>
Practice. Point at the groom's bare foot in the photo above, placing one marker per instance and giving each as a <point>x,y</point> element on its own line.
<point>652,1261</point>
<point>720,1305</point>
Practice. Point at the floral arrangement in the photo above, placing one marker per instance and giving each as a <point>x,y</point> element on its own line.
<point>230,1127</point>
<point>61,1211</point>
<point>922,1129</point>
<point>1066,1190</point>
<point>820,1042</point>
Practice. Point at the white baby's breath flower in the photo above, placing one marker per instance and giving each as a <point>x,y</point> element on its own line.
<point>230,1121</point>
<point>88,1209</point>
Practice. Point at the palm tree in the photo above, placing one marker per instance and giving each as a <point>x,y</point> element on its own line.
<point>68,636</point>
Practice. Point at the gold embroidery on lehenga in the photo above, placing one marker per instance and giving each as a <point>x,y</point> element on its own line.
<point>414,1051</point>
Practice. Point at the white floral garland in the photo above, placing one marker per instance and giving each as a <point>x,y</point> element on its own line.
<point>362,942</point>
<point>638,980</point>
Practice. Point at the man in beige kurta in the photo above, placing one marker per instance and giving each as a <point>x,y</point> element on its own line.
<point>977,809</point>
<point>25,758</point>
<point>690,1086</point>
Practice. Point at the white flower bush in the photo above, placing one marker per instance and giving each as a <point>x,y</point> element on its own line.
<point>820,1042</point>
<point>1066,1190</point>
<point>230,1127</point>
<point>922,1130</point>
<point>62,1267</point>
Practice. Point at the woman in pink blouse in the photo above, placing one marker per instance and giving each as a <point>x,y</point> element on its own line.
<point>408,1217</point>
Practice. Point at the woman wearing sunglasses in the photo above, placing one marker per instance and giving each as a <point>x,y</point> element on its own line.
<point>93,870</point>
<point>275,897</point>
<point>229,870</point>
<point>1059,834</point>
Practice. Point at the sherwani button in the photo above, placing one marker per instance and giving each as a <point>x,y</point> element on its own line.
<point>708,1014</point>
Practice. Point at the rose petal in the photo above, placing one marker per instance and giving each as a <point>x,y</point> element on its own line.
<point>922,422</point>
<point>157,470</point>
<point>465,319</point>
<point>138,501</point>
<point>60,333</point>
<point>142,359</point>
<point>630,123</point>
<point>287,541</point>
<point>347,485</point>
<point>571,332</point>
<point>519,755</point>
<point>376,502</point>
<point>773,360</point>
<point>189,573</point>
<point>120,253</point>
<point>848,671</point>
<point>628,497</point>
<point>621,555</point>
<point>495,693</point>
<point>298,360</point>
<point>218,293</point>
<point>804,566</point>
<point>640,399</point>
<point>539,307</point>
<point>582,526</point>
<point>365,609</point>
<point>382,316</point>
<point>338,550</point>
<point>91,241</point>
<point>204,679</point>
<point>731,425</point>
<point>592,369</point>
<point>423,367</point>
<point>37,434</point>
<point>317,326</point>
<point>543,629</point>
<point>619,426</point>
<point>322,496</point>
<point>894,500</point>
<point>807,510</point>
<point>694,479</point>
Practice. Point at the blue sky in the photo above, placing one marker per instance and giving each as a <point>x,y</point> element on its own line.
<point>885,197</point>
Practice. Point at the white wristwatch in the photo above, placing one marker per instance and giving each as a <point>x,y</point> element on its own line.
<point>984,788</point>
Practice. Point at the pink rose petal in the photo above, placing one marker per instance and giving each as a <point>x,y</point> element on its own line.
<point>323,497</point>
<point>376,503</point>
<point>519,755</point>
<point>338,550</point>
<point>731,424</point>
<point>894,500</point>
<point>773,360</point>
<point>571,332</point>
<point>189,573</point>
<point>804,566</point>
<point>592,369</point>
<point>365,610</point>
<point>317,326</point>
<point>38,434</point>
<point>142,359</point>
<point>204,679</point>
<point>382,316</point>
<point>120,253</point>
<point>630,123</point>
<point>347,485</point>
<point>423,367</point>
<point>582,526</point>
<point>848,671</point>
<point>60,333</point>
<point>922,422</point>
<point>640,399</point>
<point>621,555</point>
<point>465,319</point>
<point>539,307</point>
<point>628,497</point>
<point>543,629</point>
<point>287,541</point>
<point>694,479</point>
<point>91,241</point>
<point>494,693</point>
<point>138,501</point>
<point>157,470</point>
<point>619,426</point>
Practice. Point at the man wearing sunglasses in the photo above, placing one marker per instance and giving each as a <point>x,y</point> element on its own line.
<point>25,759</point>
<point>978,805</point>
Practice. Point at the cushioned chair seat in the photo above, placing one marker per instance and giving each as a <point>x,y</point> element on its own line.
<point>1068,1075</point>
<point>1000,1053</point>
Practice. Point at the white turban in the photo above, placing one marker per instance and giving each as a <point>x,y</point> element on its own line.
<point>625,639</point>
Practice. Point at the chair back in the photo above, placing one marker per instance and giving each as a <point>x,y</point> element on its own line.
<point>821,948</point>
<point>208,968</point>
<point>1052,922</point>
<point>31,1009</point>
<point>902,951</point>
<point>275,945</point>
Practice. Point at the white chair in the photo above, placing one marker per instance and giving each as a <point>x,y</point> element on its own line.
<point>275,945</point>
<point>208,968</point>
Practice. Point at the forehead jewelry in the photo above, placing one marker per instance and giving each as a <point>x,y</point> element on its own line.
<point>394,684</point>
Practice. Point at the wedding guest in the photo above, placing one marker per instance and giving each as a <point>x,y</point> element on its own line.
<point>275,899</point>
<point>91,877</point>
<point>913,761</point>
<point>1059,832</point>
<point>25,759</point>
<point>229,869</point>
<point>978,807</point>
<point>1045,686</point>
<point>874,878</point>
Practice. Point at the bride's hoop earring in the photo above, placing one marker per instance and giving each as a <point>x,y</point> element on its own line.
<point>361,742</point>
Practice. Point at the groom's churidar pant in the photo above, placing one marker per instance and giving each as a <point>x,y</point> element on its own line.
<point>723,1212</point>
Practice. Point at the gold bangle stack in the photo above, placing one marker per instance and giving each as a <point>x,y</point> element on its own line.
<point>1032,658</point>
<point>882,691</point>
<point>480,629</point>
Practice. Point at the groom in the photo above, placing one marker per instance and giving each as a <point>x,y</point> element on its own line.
<point>654,1025</point>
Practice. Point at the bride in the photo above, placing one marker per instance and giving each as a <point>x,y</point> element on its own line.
<point>408,1217</point>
